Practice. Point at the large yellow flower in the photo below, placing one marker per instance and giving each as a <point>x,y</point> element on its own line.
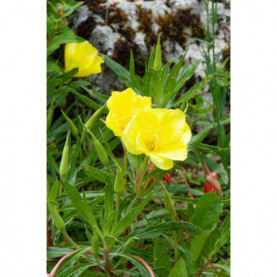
<point>123,106</point>
<point>83,56</point>
<point>161,134</point>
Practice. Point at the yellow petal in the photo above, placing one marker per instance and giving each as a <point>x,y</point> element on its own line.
<point>123,106</point>
<point>178,149</point>
<point>175,154</point>
<point>82,56</point>
<point>161,134</point>
<point>161,162</point>
<point>173,123</point>
<point>111,99</point>
<point>129,138</point>
<point>187,135</point>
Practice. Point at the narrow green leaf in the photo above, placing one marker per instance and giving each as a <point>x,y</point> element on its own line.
<point>74,271</point>
<point>212,149</point>
<point>89,102</point>
<point>54,191</point>
<point>50,113</point>
<point>143,271</point>
<point>67,36</point>
<point>151,58</point>
<point>56,216</point>
<point>195,140</point>
<point>119,70</point>
<point>100,175</point>
<point>75,198</point>
<point>193,91</point>
<point>109,202</point>
<point>124,223</point>
<point>69,261</point>
<point>55,252</point>
<point>156,230</point>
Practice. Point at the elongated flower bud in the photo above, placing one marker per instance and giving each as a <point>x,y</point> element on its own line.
<point>101,152</point>
<point>72,126</point>
<point>64,166</point>
<point>119,182</point>
<point>168,202</point>
<point>89,124</point>
<point>94,117</point>
<point>56,216</point>
<point>95,244</point>
<point>158,56</point>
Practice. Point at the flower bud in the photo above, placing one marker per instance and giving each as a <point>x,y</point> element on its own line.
<point>102,154</point>
<point>168,202</point>
<point>119,182</point>
<point>158,56</point>
<point>71,125</point>
<point>89,124</point>
<point>64,166</point>
<point>94,117</point>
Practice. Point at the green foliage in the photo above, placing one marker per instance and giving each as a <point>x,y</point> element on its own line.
<point>179,269</point>
<point>92,200</point>
<point>160,83</point>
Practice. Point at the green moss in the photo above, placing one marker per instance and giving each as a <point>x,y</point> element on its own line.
<point>172,26</point>
<point>144,17</point>
<point>116,15</point>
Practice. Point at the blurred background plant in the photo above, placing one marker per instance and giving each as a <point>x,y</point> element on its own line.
<point>85,159</point>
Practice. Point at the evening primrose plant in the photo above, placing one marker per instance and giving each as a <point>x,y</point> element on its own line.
<point>116,205</point>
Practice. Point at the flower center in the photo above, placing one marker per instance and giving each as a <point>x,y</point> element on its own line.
<point>152,142</point>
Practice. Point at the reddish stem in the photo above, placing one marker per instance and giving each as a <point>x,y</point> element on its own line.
<point>186,182</point>
<point>52,273</point>
<point>146,265</point>
<point>207,169</point>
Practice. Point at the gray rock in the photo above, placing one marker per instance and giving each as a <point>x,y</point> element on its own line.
<point>103,37</point>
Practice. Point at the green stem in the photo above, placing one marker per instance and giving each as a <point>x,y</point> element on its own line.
<point>143,171</point>
<point>60,188</point>
<point>70,240</point>
<point>175,239</point>
<point>145,186</point>
<point>108,265</point>
<point>117,201</point>
<point>213,16</point>
<point>217,273</point>
<point>125,163</point>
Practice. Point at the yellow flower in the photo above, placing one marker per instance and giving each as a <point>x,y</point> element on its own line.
<point>161,134</point>
<point>83,56</point>
<point>123,106</point>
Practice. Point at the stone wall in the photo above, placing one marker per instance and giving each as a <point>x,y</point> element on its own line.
<point>115,27</point>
